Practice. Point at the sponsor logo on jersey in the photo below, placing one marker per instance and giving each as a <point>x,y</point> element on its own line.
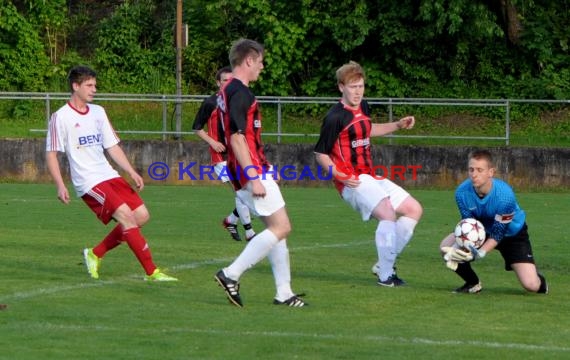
<point>90,140</point>
<point>221,103</point>
<point>256,123</point>
<point>504,219</point>
<point>360,142</point>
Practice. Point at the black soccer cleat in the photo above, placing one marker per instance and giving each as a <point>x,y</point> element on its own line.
<point>232,229</point>
<point>293,301</point>
<point>231,287</point>
<point>469,289</point>
<point>392,281</point>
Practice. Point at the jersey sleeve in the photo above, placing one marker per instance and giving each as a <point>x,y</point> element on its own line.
<point>240,104</point>
<point>110,138</point>
<point>460,200</point>
<point>204,112</point>
<point>505,206</point>
<point>55,139</point>
<point>330,130</point>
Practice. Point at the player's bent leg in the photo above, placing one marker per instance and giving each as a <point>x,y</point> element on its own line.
<point>245,218</point>
<point>278,223</point>
<point>126,217</point>
<point>142,216</point>
<point>411,208</point>
<point>528,277</point>
<point>384,210</point>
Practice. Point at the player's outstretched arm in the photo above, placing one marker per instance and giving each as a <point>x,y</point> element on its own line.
<point>406,122</point>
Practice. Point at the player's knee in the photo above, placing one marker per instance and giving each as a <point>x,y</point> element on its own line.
<point>418,212</point>
<point>282,231</point>
<point>142,219</point>
<point>142,216</point>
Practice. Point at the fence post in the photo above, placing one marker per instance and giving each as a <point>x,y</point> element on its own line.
<point>508,122</point>
<point>279,121</point>
<point>390,117</point>
<point>48,110</point>
<point>164,115</point>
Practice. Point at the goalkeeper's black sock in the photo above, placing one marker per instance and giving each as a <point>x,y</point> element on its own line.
<point>543,289</point>
<point>465,271</point>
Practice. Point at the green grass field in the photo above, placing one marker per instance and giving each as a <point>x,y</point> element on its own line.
<point>55,311</point>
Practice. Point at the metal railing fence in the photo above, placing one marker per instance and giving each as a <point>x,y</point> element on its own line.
<point>280,102</point>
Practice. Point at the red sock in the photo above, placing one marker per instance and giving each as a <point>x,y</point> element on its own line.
<point>111,241</point>
<point>139,246</point>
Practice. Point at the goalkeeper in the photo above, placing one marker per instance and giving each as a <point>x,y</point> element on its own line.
<point>492,202</point>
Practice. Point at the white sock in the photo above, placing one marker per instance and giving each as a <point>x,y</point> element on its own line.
<point>232,219</point>
<point>386,247</point>
<point>279,259</point>
<point>404,230</point>
<point>254,252</point>
<point>243,212</point>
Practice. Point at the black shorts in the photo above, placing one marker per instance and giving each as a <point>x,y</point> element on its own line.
<point>516,249</point>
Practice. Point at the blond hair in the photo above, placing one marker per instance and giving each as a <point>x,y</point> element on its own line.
<point>350,72</point>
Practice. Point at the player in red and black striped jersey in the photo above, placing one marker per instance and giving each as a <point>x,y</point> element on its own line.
<point>254,185</point>
<point>344,147</point>
<point>208,116</point>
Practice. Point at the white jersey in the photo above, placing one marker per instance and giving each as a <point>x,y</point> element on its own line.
<point>83,137</point>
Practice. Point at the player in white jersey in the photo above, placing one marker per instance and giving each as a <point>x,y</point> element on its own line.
<point>83,132</point>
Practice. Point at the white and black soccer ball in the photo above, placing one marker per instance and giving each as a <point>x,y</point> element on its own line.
<point>469,232</point>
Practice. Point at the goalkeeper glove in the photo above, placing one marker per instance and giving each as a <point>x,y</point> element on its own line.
<point>458,255</point>
<point>477,253</point>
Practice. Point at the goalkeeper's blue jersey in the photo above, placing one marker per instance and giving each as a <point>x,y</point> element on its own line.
<point>498,211</point>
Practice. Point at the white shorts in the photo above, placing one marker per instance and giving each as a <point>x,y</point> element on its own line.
<point>262,206</point>
<point>370,192</point>
<point>218,168</point>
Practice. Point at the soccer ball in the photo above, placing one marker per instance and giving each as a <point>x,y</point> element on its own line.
<point>469,232</point>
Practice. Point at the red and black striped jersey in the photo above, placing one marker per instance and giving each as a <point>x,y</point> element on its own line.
<point>345,137</point>
<point>240,113</point>
<point>208,116</point>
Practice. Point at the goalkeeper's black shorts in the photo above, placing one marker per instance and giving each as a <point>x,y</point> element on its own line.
<point>516,249</point>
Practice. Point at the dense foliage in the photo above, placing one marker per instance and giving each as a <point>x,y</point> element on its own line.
<point>411,48</point>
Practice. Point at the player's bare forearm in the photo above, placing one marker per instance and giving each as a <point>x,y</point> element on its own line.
<point>326,163</point>
<point>406,122</point>
<point>216,145</point>
<point>55,172</point>
<point>489,245</point>
<point>119,157</point>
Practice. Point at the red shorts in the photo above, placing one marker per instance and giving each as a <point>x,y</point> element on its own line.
<point>104,198</point>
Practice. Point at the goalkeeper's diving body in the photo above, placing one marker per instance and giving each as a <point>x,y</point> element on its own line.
<point>492,201</point>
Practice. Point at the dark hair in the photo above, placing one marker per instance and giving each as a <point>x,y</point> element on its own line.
<point>79,74</point>
<point>243,48</point>
<point>480,154</point>
<point>224,70</point>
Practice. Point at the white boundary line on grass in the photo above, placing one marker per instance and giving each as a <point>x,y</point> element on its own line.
<point>336,337</point>
<point>192,265</point>
<point>197,264</point>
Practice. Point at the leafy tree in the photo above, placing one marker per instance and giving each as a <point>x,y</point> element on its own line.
<point>410,48</point>
<point>127,49</point>
<point>23,62</point>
